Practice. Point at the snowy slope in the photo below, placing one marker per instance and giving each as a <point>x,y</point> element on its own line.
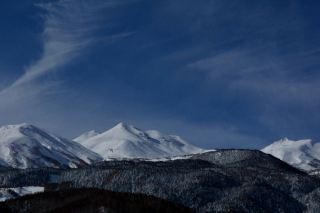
<point>12,193</point>
<point>85,136</point>
<point>303,154</point>
<point>26,146</point>
<point>126,141</point>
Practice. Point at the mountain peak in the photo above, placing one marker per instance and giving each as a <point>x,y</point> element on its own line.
<point>16,126</point>
<point>27,146</point>
<point>284,139</point>
<point>124,129</point>
<point>288,142</point>
<point>14,130</point>
<point>127,141</point>
<point>121,125</point>
<point>124,126</point>
<point>303,154</point>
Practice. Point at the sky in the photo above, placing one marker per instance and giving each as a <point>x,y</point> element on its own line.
<point>221,74</point>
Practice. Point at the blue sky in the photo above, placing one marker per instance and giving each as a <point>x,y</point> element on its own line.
<point>219,73</point>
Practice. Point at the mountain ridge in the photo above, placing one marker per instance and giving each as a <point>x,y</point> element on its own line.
<point>222,181</point>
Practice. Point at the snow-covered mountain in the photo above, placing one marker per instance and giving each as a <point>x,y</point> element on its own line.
<point>126,141</point>
<point>26,146</point>
<point>303,154</point>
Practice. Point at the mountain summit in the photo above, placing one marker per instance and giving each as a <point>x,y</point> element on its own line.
<point>303,154</point>
<point>27,146</point>
<point>127,141</point>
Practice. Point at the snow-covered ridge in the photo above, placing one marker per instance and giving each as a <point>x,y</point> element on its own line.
<point>127,141</point>
<point>27,146</point>
<point>12,193</point>
<point>303,154</point>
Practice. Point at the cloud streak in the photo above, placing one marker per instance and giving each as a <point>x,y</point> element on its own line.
<point>260,74</point>
<point>69,28</point>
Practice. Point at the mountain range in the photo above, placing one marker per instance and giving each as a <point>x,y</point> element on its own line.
<point>127,159</point>
<point>27,146</point>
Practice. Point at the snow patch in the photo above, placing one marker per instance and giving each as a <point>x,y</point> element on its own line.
<point>12,193</point>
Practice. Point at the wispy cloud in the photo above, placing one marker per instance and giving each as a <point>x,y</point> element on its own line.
<point>274,78</point>
<point>69,28</point>
<point>282,88</point>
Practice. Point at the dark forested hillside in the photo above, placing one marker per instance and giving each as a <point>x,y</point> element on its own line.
<point>225,180</point>
<point>89,200</point>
